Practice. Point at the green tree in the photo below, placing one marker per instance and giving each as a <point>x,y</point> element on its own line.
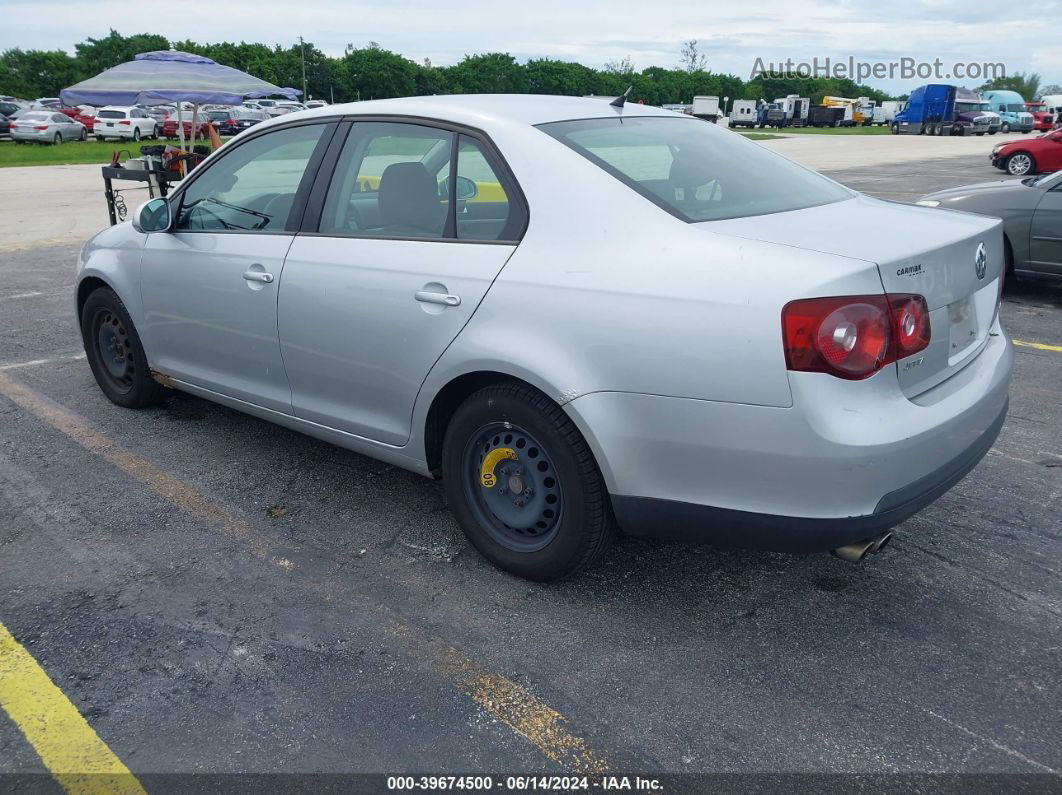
<point>375,73</point>
<point>491,73</point>
<point>547,76</point>
<point>96,55</point>
<point>1028,85</point>
<point>37,73</point>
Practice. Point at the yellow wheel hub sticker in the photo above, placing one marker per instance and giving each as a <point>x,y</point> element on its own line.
<point>486,472</point>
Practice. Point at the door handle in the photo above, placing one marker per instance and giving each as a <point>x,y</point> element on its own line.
<point>258,276</point>
<point>428,297</point>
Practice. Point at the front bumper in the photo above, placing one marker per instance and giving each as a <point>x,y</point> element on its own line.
<point>846,462</point>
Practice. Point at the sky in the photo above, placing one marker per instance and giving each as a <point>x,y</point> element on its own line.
<point>1023,36</point>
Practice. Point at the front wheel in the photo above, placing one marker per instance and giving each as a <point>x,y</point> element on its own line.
<point>1020,163</point>
<point>115,353</point>
<point>523,484</point>
<point>1004,128</point>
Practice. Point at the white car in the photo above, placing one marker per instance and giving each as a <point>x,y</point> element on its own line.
<point>581,315</point>
<point>116,121</point>
<point>316,103</point>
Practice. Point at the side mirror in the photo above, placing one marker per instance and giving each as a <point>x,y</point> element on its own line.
<point>152,216</point>
<point>466,189</point>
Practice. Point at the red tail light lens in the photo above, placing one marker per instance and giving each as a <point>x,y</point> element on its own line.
<point>41,127</point>
<point>125,122</point>
<point>853,336</point>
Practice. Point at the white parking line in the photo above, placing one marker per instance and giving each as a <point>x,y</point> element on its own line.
<point>19,295</point>
<point>36,362</point>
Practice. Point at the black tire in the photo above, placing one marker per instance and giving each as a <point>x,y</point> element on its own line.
<point>58,139</point>
<point>126,380</point>
<point>1004,127</point>
<point>895,129</point>
<point>136,133</point>
<point>1008,263</point>
<point>1020,164</point>
<point>582,526</point>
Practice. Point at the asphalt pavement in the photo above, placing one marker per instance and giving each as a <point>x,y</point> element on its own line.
<point>215,594</point>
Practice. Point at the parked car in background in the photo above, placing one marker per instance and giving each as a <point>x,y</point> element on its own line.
<point>1029,155</point>
<point>291,107</point>
<point>5,127</point>
<point>118,121</point>
<point>248,117</point>
<point>1043,116</point>
<point>202,125</point>
<point>46,102</point>
<point>1011,109</point>
<point>8,108</point>
<point>158,112</point>
<point>316,103</point>
<point>268,105</point>
<point>1031,210</point>
<point>232,120</point>
<point>47,127</point>
<point>787,377</point>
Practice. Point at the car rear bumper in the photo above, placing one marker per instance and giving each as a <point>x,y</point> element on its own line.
<point>845,463</point>
<point>727,527</point>
<point>44,135</point>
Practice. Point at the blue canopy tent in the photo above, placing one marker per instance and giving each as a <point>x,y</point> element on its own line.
<point>153,78</point>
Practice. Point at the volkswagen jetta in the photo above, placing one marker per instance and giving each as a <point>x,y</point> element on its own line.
<point>581,315</point>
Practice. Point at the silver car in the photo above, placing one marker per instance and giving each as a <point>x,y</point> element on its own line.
<point>46,127</point>
<point>582,316</point>
<point>1031,210</point>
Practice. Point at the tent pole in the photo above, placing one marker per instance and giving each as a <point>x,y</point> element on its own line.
<point>195,116</point>
<point>180,125</point>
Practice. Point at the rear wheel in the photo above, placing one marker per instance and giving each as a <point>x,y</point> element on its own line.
<point>136,133</point>
<point>84,135</point>
<point>115,353</point>
<point>523,484</point>
<point>58,139</point>
<point>1020,163</point>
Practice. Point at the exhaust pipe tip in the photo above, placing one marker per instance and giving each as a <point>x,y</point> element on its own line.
<point>854,553</point>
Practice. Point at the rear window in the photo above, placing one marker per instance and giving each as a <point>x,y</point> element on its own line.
<point>38,116</point>
<point>696,170</point>
<point>219,115</point>
<point>111,114</point>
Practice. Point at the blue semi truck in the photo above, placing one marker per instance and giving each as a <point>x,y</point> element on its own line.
<point>931,111</point>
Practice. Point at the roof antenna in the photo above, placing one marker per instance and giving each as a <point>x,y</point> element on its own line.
<point>621,100</point>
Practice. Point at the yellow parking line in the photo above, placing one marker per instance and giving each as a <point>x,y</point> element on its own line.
<point>1040,346</point>
<point>80,761</point>
<point>498,696</point>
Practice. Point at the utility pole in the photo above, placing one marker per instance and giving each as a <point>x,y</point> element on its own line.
<point>302,52</point>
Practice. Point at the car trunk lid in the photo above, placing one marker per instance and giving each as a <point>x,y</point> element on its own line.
<point>954,260</point>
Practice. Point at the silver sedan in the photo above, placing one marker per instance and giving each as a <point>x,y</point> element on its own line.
<point>1031,210</point>
<point>47,127</point>
<point>583,316</point>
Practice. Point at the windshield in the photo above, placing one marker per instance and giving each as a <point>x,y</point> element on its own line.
<point>1015,108</point>
<point>967,107</point>
<point>695,170</point>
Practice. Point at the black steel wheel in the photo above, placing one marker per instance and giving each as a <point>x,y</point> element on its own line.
<point>115,353</point>
<point>523,484</point>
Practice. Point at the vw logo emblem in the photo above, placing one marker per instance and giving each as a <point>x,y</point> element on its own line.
<point>981,260</point>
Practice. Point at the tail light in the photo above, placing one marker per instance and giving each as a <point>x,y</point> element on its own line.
<point>125,122</point>
<point>41,127</point>
<point>853,336</point>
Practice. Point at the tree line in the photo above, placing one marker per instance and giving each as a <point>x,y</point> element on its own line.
<point>373,72</point>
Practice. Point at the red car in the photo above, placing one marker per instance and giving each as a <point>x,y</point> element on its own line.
<point>1043,119</point>
<point>202,126</point>
<point>1030,155</point>
<point>77,114</point>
